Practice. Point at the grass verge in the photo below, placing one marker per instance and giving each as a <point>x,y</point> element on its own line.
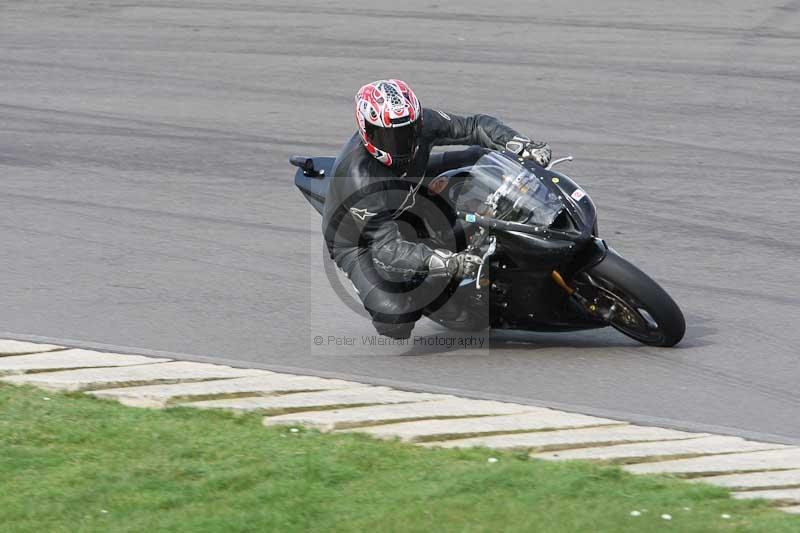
<point>73,463</point>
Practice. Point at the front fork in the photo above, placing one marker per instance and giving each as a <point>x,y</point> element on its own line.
<point>590,256</point>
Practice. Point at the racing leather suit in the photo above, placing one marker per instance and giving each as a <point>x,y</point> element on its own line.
<point>364,201</point>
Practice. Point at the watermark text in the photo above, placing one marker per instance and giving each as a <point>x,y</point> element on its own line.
<point>428,341</point>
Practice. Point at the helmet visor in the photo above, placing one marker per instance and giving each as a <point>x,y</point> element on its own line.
<point>399,141</point>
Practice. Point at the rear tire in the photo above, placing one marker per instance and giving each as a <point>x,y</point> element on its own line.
<point>467,322</point>
<point>467,326</point>
<point>645,311</point>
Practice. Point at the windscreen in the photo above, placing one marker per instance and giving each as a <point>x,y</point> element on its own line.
<point>498,187</point>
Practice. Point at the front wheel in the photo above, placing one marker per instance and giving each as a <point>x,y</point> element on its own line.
<point>633,303</point>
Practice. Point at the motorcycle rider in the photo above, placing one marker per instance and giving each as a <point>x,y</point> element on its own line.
<point>376,178</point>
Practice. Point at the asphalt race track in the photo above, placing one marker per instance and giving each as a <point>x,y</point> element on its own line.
<point>146,202</point>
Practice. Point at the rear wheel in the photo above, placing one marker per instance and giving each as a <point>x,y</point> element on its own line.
<point>633,303</point>
<point>464,310</point>
<point>465,322</point>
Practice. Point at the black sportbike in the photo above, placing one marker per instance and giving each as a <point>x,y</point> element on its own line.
<point>544,266</point>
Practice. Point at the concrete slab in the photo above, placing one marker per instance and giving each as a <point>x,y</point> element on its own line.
<point>569,438</point>
<point>97,378</point>
<point>161,395</point>
<point>782,495</point>
<point>380,414</point>
<point>535,419</point>
<point>77,358</point>
<point>754,480</point>
<point>9,347</point>
<point>362,394</point>
<point>644,451</point>
<point>730,463</point>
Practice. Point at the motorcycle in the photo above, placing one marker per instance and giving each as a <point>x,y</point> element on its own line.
<point>545,268</point>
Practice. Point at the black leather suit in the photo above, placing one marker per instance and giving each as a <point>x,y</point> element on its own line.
<point>364,202</point>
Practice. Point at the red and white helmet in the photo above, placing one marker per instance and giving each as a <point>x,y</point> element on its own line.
<point>389,119</point>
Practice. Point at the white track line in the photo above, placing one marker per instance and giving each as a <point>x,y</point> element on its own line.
<point>448,420</point>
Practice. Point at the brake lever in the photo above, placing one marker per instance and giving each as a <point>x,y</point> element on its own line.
<point>489,252</point>
<point>557,161</point>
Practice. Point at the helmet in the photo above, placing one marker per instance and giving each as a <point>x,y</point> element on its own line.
<point>389,119</point>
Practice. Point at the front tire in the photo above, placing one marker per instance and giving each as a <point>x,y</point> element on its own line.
<point>641,309</point>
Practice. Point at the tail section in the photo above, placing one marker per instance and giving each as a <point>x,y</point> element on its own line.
<point>312,178</point>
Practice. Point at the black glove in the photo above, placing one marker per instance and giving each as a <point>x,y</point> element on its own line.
<point>537,151</point>
<point>460,266</point>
